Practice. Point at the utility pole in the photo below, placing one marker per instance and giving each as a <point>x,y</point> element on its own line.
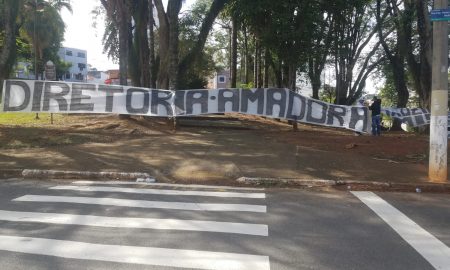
<point>439,97</point>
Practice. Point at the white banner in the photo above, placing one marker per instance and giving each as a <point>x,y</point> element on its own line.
<point>412,117</point>
<point>64,97</point>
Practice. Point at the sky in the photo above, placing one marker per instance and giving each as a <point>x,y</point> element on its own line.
<point>81,34</point>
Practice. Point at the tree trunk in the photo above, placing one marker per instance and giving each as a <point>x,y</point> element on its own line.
<point>266,67</point>
<point>163,72</point>
<point>7,55</point>
<point>246,57</point>
<point>292,77</point>
<point>152,62</point>
<point>142,26</point>
<point>124,36</point>
<point>255,64</point>
<point>173,9</point>
<point>278,70</point>
<point>285,75</point>
<point>259,72</point>
<point>233,68</point>
<point>293,86</point>
<point>421,69</point>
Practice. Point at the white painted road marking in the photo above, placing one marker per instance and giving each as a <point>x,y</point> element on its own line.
<point>163,192</point>
<point>135,255</point>
<point>161,185</point>
<point>146,204</point>
<point>431,248</point>
<point>141,223</point>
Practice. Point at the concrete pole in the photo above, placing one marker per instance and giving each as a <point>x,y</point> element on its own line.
<point>439,99</point>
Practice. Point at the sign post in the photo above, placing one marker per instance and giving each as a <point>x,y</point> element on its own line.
<point>439,96</point>
<point>50,71</point>
<point>50,75</point>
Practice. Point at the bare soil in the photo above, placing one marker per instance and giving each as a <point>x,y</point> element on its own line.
<point>217,148</point>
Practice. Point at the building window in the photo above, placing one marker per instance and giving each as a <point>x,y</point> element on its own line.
<point>69,53</point>
<point>81,66</point>
<point>79,77</point>
<point>81,55</point>
<point>67,75</point>
<point>221,79</point>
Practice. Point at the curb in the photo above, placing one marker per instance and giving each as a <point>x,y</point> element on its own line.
<point>53,174</point>
<point>10,173</point>
<point>347,184</point>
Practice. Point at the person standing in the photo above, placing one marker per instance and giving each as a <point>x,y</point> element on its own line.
<point>375,107</point>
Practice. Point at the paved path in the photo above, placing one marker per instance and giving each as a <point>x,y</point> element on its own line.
<point>118,225</point>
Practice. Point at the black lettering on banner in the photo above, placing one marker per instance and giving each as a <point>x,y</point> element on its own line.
<point>336,112</point>
<point>37,96</point>
<point>252,95</point>
<point>359,114</point>
<point>323,110</point>
<point>272,101</point>
<point>408,120</point>
<point>58,97</point>
<point>26,97</point>
<point>77,97</point>
<point>163,101</point>
<point>396,114</point>
<point>427,117</point>
<point>145,100</point>
<point>110,91</point>
<point>179,102</point>
<point>419,116</point>
<point>191,100</point>
<point>405,112</point>
<point>302,105</point>
<point>233,98</point>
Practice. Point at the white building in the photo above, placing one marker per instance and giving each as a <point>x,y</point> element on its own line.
<point>78,58</point>
<point>95,76</point>
<point>221,79</point>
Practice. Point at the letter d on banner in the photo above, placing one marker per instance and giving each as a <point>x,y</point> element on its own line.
<point>17,96</point>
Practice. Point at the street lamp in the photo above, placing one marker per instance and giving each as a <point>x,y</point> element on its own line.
<point>35,51</point>
<point>36,76</point>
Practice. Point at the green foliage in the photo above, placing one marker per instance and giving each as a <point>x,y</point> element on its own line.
<point>43,28</point>
<point>189,27</point>
<point>387,92</point>
<point>249,85</point>
<point>328,93</point>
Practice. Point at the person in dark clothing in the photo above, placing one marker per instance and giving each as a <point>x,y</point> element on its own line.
<point>375,107</point>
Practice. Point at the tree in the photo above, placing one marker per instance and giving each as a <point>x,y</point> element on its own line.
<point>119,20</point>
<point>328,93</point>
<point>191,58</point>
<point>419,55</point>
<point>321,42</point>
<point>395,48</point>
<point>353,32</point>
<point>44,28</point>
<point>189,27</point>
<point>139,58</point>
<point>8,10</point>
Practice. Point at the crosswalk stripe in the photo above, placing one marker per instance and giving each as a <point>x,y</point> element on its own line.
<point>163,192</point>
<point>140,223</point>
<point>146,204</point>
<point>135,255</point>
<point>162,185</point>
<point>431,248</point>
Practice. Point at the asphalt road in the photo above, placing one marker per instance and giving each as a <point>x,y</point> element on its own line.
<point>64,225</point>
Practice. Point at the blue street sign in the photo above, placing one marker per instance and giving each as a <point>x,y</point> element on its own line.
<point>440,15</point>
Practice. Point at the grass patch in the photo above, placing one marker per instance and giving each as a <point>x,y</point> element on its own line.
<point>28,119</point>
